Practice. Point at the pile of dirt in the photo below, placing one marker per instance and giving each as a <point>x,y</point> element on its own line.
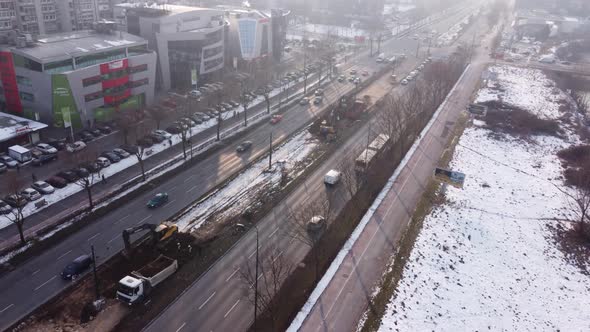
<point>576,161</point>
<point>518,122</point>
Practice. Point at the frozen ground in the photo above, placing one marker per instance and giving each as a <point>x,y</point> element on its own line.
<point>486,259</point>
<point>242,191</point>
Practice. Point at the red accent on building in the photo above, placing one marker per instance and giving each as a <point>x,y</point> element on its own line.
<point>111,67</point>
<point>8,78</point>
<point>115,82</point>
<point>112,100</point>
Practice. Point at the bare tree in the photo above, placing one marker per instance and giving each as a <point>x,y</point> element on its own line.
<point>16,216</point>
<point>82,159</point>
<point>245,100</point>
<point>157,114</point>
<point>580,206</point>
<point>125,124</point>
<point>266,93</point>
<point>185,135</point>
<point>140,154</point>
<point>219,121</point>
<point>273,269</point>
<point>300,229</point>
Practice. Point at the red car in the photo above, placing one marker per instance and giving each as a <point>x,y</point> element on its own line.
<point>276,118</point>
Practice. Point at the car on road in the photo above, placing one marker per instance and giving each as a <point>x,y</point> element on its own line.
<point>76,267</point>
<point>46,148</point>
<point>8,161</point>
<point>196,93</point>
<point>341,78</point>
<point>4,207</point>
<point>121,153</point>
<point>319,92</point>
<point>304,101</point>
<point>353,72</point>
<point>16,200</point>
<point>69,176</point>
<point>57,182</point>
<point>567,63</point>
<point>316,223</point>
<point>158,200</point>
<point>357,80</point>
<point>404,82</point>
<point>111,156</point>
<point>76,146</point>
<point>44,159</point>
<point>276,118</point>
<point>317,100</point>
<point>332,177</point>
<point>365,73</point>
<point>103,162</point>
<point>3,168</point>
<point>43,187</point>
<point>30,194</point>
<point>351,79</point>
<point>244,146</point>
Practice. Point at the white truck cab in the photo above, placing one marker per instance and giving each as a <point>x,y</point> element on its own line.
<point>332,177</point>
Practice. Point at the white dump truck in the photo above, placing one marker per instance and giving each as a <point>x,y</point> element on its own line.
<point>136,287</point>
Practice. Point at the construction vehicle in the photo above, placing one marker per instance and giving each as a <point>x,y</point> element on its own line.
<point>135,287</point>
<point>159,235</point>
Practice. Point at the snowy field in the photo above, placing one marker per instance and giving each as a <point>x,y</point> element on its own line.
<point>241,192</point>
<point>486,259</point>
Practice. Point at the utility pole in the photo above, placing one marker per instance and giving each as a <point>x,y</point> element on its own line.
<point>96,290</point>
<point>270,153</point>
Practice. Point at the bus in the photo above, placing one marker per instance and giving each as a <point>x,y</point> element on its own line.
<point>371,154</point>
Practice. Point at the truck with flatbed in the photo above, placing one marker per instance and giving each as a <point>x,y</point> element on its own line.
<point>135,287</point>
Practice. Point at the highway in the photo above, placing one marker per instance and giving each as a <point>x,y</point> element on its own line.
<point>347,295</point>
<point>217,301</point>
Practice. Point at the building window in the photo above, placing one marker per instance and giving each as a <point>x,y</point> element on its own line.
<point>138,83</point>
<point>93,96</point>
<point>26,96</point>
<point>212,52</point>
<point>24,81</point>
<point>59,66</point>
<point>247,32</point>
<point>21,61</point>
<point>91,80</point>
<point>115,74</point>
<point>138,69</point>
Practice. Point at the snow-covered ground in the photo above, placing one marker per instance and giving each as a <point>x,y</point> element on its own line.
<point>233,198</point>
<point>73,188</point>
<point>486,258</point>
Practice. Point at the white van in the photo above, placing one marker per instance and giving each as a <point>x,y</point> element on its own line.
<point>332,177</point>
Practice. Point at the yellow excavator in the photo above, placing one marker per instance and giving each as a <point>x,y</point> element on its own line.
<point>158,234</point>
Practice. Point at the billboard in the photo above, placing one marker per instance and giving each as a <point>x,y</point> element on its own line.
<point>455,179</point>
<point>64,107</point>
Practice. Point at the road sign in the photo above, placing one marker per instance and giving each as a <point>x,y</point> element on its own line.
<point>455,179</point>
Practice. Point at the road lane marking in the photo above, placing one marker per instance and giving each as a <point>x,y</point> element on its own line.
<point>35,272</point>
<point>207,300</point>
<point>191,189</point>
<point>273,233</point>
<point>113,239</point>
<point>45,283</point>
<point>181,326</point>
<point>8,307</point>
<point>189,178</point>
<point>127,216</point>
<point>144,219</point>
<point>93,236</point>
<point>252,254</point>
<point>170,202</point>
<point>279,255</point>
<point>260,276</point>
<point>236,271</point>
<point>62,256</point>
<point>232,308</point>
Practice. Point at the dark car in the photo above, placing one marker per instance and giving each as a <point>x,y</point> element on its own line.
<point>104,129</point>
<point>95,132</point>
<point>85,136</point>
<point>111,156</point>
<point>157,138</point>
<point>81,172</point>
<point>44,158</point>
<point>16,200</point>
<point>3,168</point>
<point>69,176</point>
<point>76,267</point>
<point>59,144</point>
<point>91,167</point>
<point>132,149</point>
<point>4,208</point>
<point>57,182</point>
<point>174,129</point>
<point>158,200</point>
<point>244,146</point>
<point>145,142</point>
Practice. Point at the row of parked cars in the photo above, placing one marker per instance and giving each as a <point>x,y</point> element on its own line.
<point>414,73</point>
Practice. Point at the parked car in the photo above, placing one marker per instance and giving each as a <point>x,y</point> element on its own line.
<point>196,118</point>
<point>121,153</point>
<point>76,146</point>
<point>46,148</point>
<point>59,144</point>
<point>317,100</point>
<point>103,162</point>
<point>3,168</point>
<point>8,161</point>
<point>244,146</point>
<point>131,149</point>
<point>174,129</point>
<point>85,136</point>
<point>187,122</point>
<point>145,142</point>
<point>234,103</point>
<point>156,138</point>
<point>353,72</point>
<point>227,106</point>
<point>341,78</point>
<point>4,207</point>
<point>163,133</point>
<point>69,176</point>
<point>57,182</point>
<point>304,101</point>
<point>43,187</point>
<point>404,82</point>
<point>30,194</point>
<point>104,129</point>
<point>351,79</point>
<point>81,172</point>
<point>44,159</point>
<point>76,267</point>
<point>16,200</point>
<point>276,118</point>
<point>158,200</point>
<point>95,132</point>
<point>319,92</point>
<point>357,80</point>
<point>91,166</point>
<point>365,73</point>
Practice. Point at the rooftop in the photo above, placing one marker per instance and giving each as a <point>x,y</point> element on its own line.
<point>12,126</point>
<point>156,10</point>
<point>66,45</point>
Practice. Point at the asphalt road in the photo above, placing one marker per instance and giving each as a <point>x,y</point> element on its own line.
<point>37,280</point>
<point>218,301</point>
<point>347,295</point>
